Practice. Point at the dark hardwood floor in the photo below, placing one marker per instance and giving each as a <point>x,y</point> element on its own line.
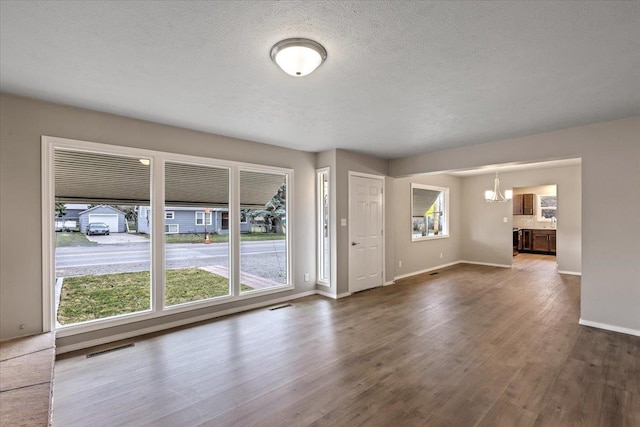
<point>472,345</point>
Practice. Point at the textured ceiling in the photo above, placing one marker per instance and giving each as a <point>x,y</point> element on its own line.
<point>400,77</point>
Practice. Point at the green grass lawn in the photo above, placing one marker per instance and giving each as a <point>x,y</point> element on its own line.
<point>72,239</point>
<point>98,296</point>
<point>219,238</point>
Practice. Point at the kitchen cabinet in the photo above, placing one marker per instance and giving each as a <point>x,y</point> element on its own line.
<point>524,204</point>
<point>526,243</point>
<point>544,241</point>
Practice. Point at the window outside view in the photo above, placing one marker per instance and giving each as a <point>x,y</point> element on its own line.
<point>428,212</point>
<point>103,227</point>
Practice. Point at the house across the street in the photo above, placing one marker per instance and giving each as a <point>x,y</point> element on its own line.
<point>111,216</point>
<point>185,220</point>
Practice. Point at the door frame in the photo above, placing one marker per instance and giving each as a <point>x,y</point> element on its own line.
<point>381,178</point>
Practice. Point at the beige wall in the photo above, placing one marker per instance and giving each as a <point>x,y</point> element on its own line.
<point>23,121</point>
<point>610,154</point>
<point>347,161</point>
<point>608,248</point>
<point>423,255</point>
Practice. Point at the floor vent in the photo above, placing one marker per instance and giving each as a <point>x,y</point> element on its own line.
<point>433,274</point>
<point>278,307</point>
<point>109,350</point>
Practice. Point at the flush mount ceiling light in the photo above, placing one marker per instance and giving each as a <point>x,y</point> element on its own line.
<point>298,57</point>
<point>496,195</point>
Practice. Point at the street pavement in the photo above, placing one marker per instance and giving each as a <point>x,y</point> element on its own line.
<point>262,258</point>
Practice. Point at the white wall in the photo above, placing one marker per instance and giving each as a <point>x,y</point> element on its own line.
<point>610,154</point>
<point>425,254</point>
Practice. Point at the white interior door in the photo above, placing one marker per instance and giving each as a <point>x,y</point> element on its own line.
<point>365,233</point>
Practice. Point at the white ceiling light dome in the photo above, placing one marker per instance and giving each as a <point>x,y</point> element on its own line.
<point>298,57</point>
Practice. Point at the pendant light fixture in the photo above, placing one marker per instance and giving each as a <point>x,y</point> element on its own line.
<point>298,57</point>
<point>496,195</point>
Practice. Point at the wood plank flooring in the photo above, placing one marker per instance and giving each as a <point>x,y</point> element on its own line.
<point>470,346</point>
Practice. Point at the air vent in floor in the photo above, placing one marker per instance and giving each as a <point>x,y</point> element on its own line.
<point>278,307</point>
<point>109,350</point>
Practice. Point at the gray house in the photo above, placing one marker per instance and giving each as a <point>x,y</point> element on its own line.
<point>111,216</point>
<point>189,220</point>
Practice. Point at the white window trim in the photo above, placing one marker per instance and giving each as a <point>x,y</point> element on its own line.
<point>169,215</point>
<point>158,159</point>
<point>168,230</point>
<point>446,231</point>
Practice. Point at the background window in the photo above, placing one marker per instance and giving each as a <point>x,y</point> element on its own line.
<point>169,215</point>
<point>548,208</point>
<point>430,216</point>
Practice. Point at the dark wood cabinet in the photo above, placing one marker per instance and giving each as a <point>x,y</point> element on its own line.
<point>517,204</point>
<point>523,204</point>
<point>526,243</point>
<point>543,241</point>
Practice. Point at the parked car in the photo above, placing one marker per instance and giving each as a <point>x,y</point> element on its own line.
<point>97,228</point>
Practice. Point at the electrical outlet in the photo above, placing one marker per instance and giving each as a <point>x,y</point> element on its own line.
<point>505,219</point>
<point>441,255</point>
<point>306,277</point>
<point>399,264</point>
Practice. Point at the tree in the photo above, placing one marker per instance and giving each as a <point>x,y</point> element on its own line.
<point>274,211</point>
<point>61,209</point>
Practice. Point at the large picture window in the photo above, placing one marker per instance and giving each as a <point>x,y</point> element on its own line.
<point>132,234</point>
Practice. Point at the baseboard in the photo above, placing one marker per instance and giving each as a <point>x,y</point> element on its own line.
<point>326,294</point>
<point>126,335</point>
<point>488,264</point>
<point>607,327</point>
<point>391,282</point>
<point>415,273</point>
<point>573,273</point>
<point>342,295</point>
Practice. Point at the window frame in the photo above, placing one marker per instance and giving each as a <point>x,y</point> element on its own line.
<point>157,208</point>
<point>168,230</point>
<point>169,215</point>
<point>204,215</point>
<point>541,218</point>
<point>447,215</point>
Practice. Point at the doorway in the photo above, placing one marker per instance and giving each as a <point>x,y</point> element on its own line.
<point>366,231</point>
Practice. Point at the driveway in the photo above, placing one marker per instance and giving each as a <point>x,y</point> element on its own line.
<point>117,238</point>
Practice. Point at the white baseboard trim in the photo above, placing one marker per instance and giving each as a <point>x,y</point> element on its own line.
<point>415,273</point>
<point>573,273</point>
<point>326,294</point>
<point>607,327</point>
<point>174,324</point>
<point>390,282</point>
<point>344,294</point>
<point>489,264</point>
